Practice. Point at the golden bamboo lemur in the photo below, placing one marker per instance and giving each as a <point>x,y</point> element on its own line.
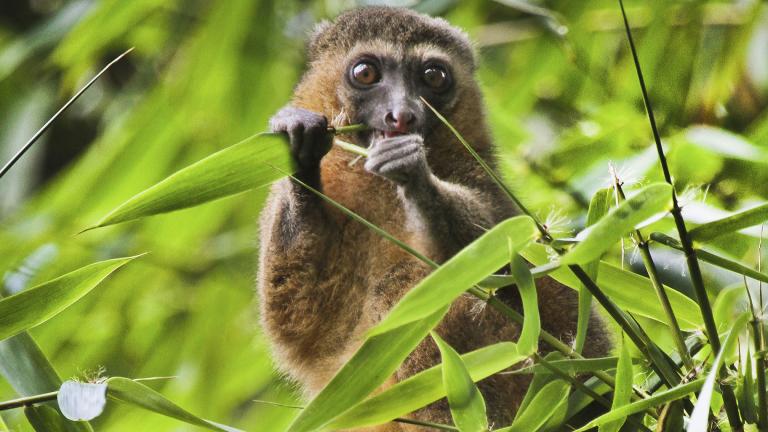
<point>324,279</point>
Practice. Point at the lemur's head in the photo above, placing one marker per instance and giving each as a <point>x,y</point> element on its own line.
<point>381,61</point>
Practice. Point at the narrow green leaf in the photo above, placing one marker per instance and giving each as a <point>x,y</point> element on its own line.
<point>623,391</point>
<point>628,290</point>
<point>574,365</point>
<point>746,391</point>
<point>671,417</point>
<point>425,387</point>
<point>466,403</point>
<point>713,259</point>
<point>657,399</point>
<point>599,206</point>
<point>372,364</point>
<point>700,415</point>
<point>131,392</point>
<point>44,418</point>
<point>735,222</point>
<point>647,202</point>
<point>246,165</point>
<point>536,414</point>
<point>480,258</point>
<point>28,371</point>
<point>528,343</point>
<point>37,305</point>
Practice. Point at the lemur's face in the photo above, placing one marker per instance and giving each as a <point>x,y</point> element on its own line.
<point>383,87</point>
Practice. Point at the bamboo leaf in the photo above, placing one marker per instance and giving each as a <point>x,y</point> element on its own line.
<point>628,290</point>
<point>371,365</point>
<point>746,392</point>
<point>536,414</point>
<point>647,202</point>
<point>246,165</point>
<point>464,399</point>
<point>700,415</point>
<point>599,206</point>
<point>735,222</point>
<point>425,387</point>
<point>38,304</point>
<point>44,418</point>
<point>528,343</point>
<point>657,399</point>
<point>468,267</point>
<point>131,392</point>
<point>623,390</point>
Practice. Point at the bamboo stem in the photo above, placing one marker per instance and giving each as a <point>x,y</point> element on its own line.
<point>27,401</point>
<point>729,398</point>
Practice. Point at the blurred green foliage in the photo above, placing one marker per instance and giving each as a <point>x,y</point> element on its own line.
<point>561,94</point>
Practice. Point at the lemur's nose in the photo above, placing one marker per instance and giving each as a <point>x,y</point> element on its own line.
<point>400,119</point>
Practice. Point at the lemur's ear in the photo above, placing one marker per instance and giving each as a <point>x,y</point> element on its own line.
<point>314,35</point>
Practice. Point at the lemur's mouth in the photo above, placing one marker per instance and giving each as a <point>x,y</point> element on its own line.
<point>389,134</point>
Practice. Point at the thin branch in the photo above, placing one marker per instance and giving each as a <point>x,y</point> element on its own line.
<point>50,121</point>
<point>729,398</point>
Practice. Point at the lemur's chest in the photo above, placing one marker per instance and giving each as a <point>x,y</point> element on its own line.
<point>374,198</point>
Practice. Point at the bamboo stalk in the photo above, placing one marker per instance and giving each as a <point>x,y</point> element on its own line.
<point>27,401</point>
<point>729,398</point>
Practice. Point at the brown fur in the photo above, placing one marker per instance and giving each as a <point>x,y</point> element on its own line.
<point>324,279</point>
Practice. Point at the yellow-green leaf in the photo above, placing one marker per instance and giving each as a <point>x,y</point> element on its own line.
<point>131,392</point>
<point>38,304</point>
<point>464,399</point>
<point>647,202</point>
<point>471,265</point>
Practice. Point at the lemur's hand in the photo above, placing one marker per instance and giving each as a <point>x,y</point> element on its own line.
<point>401,159</point>
<point>308,135</point>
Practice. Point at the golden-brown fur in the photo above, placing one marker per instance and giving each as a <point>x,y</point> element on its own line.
<point>325,279</point>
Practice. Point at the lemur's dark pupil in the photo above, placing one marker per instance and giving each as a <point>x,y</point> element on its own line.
<point>365,73</point>
<point>435,77</point>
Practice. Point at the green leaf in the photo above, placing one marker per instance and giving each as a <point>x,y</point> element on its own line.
<point>426,387</point>
<point>746,392</point>
<point>657,399</point>
<point>372,364</point>
<point>647,202</point>
<point>623,389</point>
<point>38,304</point>
<point>628,290</point>
<point>471,265</point>
<point>131,392</point>
<point>573,365</point>
<point>464,399</point>
<point>536,414</point>
<point>735,222</point>
<point>528,343</point>
<point>599,206</point>
<point>26,369</point>
<point>700,414</point>
<point>246,165</point>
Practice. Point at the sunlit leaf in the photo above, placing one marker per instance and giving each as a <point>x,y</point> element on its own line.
<point>538,412</point>
<point>243,166</point>
<point>735,222</point>
<point>623,389</point>
<point>426,387</point>
<point>628,290</point>
<point>647,202</point>
<point>658,399</point>
<point>528,343</point>
<point>725,143</point>
<point>38,304</point>
<point>468,267</point>
<point>131,392</point>
<point>464,399</point>
<point>375,361</point>
<point>700,414</point>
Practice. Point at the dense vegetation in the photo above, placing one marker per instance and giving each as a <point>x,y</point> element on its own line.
<point>565,105</point>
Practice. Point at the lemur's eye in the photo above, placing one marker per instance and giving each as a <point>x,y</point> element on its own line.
<point>436,77</point>
<point>365,73</point>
